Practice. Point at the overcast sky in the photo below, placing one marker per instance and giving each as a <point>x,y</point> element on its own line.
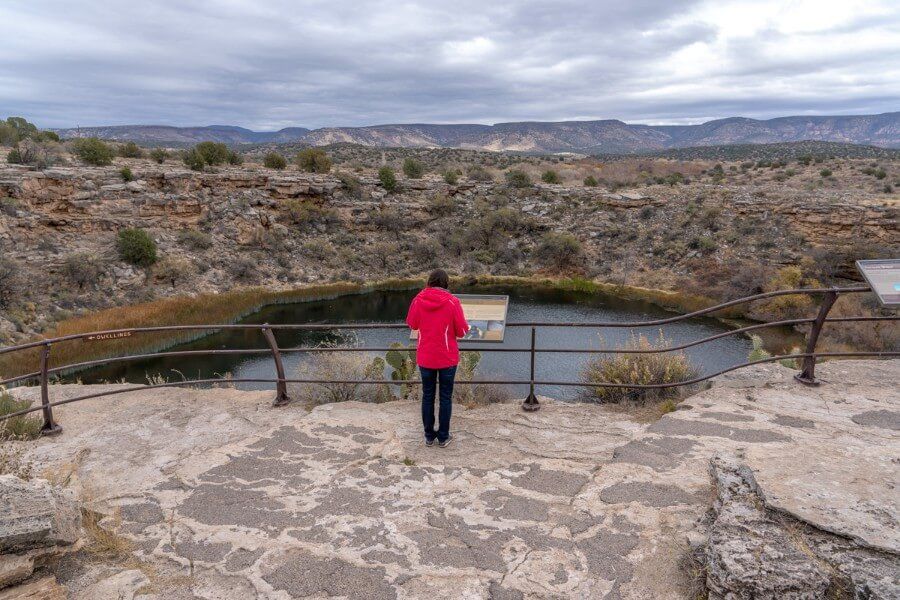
<point>267,64</point>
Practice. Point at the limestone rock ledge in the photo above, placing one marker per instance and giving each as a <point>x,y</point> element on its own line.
<point>38,524</point>
<point>756,552</point>
<point>222,497</point>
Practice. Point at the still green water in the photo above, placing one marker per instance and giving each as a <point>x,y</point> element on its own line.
<point>526,304</point>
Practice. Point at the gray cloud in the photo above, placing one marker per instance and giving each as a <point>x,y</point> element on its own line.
<point>267,65</point>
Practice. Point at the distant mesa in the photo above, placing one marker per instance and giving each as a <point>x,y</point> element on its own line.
<point>606,136</point>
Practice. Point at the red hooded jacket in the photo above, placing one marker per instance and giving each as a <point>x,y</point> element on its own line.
<point>438,317</point>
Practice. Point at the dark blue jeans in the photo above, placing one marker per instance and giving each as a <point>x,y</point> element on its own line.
<point>430,379</point>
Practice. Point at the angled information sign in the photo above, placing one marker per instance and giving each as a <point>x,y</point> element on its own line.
<point>884,277</point>
<point>486,315</point>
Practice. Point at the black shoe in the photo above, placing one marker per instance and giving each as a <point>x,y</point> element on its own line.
<point>429,442</point>
<point>446,442</point>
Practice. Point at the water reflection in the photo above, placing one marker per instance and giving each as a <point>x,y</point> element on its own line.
<point>390,306</point>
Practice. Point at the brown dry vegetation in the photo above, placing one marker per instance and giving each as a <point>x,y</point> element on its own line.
<point>696,239</point>
<point>200,310</point>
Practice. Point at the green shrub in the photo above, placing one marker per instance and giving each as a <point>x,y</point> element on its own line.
<point>173,269</point>
<point>388,218</point>
<point>195,240</point>
<point>387,178</point>
<point>18,129</point>
<point>825,172</point>
<point>550,176</point>
<point>450,177</point>
<point>413,169</point>
<point>46,136</point>
<point>9,206</point>
<point>440,205</point>
<point>126,174</point>
<point>136,247</point>
<point>212,153</point>
<point>29,152</point>
<point>313,160</point>
<point>234,158</point>
<point>703,243</point>
<point>159,155</point>
<point>558,250</point>
<point>306,212</point>
<point>93,151</point>
<point>880,173</point>
<point>640,369</point>
<point>244,270</point>
<point>273,160</point>
<point>591,181</point>
<point>676,178</point>
<point>8,135</point>
<point>14,157</point>
<point>82,269</point>
<point>517,178</point>
<point>23,427</point>
<point>131,150</point>
<point>479,174</point>
<point>352,184</point>
<point>11,284</point>
<point>194,160</point>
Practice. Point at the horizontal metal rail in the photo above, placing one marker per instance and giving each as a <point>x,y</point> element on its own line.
<point>223,380</point>
<point>807,376</point>
<point>313,349</point>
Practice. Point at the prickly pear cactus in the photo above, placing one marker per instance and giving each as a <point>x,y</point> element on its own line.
<point>375,371</point>
<point>403,362</point>
<point>468,362</point>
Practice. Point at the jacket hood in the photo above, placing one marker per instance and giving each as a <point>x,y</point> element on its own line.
<point>433,298</point>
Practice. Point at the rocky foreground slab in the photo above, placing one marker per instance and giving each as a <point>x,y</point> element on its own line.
<point>757,488</point>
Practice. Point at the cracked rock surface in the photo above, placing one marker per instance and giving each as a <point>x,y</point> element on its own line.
<point>224,497</point>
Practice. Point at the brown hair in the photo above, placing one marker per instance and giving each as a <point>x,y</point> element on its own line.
<point>438,278</point>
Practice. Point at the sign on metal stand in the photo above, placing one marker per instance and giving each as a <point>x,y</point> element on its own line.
<point>883,276</point>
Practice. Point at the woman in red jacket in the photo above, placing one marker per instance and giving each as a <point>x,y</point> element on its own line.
<point>438,317</point>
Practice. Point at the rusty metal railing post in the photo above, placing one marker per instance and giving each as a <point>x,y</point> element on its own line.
<point>531,403</point>
<point>49,427</point>
<point>808,375</point>
<point>281,395</point>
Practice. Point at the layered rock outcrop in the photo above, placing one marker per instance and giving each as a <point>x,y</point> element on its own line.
<point>39,523</point>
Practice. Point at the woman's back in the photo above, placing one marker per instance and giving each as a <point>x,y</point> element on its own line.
<point>438,317</point>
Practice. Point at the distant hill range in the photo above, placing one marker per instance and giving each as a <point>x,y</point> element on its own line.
<point>607,136</point>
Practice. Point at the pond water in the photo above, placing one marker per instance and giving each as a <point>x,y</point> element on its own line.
<point>525,304</point>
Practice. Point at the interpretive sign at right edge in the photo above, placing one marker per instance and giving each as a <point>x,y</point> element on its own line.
<point>884,278</point>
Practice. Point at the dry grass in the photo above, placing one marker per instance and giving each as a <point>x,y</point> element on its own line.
<point>677,301</point>
<point>336,366</point>
<point>872,335</point>
<point>636,171</point>
<point>640,369</point>
<point>199,310</point>
<point>694,568</point>
<point>23,427</point>
<point>104,541</point>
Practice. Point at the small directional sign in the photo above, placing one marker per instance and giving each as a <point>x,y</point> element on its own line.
<point>98,337</point>
<point>884,278</point>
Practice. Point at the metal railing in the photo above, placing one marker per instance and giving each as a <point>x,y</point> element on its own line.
<point>806,376</point>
